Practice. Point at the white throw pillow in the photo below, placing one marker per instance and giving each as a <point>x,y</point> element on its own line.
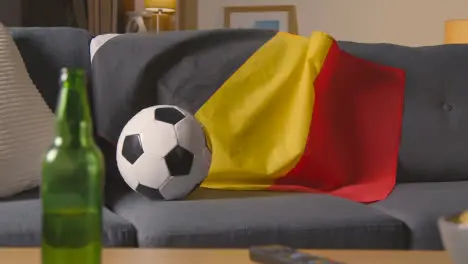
<point>26,122</point>
<point>99,41</point>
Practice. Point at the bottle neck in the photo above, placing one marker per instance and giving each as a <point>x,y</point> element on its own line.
<point>73,119</point>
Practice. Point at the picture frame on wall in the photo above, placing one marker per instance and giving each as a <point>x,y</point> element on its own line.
<point>276,17</point>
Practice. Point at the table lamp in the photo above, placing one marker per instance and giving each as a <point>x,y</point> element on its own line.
<point>160,7</point>
<point>456,31</point>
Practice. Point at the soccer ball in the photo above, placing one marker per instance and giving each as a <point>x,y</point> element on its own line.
<point>162,153</point>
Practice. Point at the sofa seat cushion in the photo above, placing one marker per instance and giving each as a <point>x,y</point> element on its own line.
<point>419,205</point>
<point>20,224</point>
<point>238,219</point>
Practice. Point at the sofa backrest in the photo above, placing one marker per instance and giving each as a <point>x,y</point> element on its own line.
<point>46,50</point>
<point>434,143</point>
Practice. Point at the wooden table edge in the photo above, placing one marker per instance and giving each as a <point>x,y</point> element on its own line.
<point>231,256</point>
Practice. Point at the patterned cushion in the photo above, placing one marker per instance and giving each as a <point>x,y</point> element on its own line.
<point>26,122</point>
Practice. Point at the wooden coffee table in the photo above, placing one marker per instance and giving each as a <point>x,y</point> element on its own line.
<point>181,256</point>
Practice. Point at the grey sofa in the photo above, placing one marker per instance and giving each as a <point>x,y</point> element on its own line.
<point>432,174</point>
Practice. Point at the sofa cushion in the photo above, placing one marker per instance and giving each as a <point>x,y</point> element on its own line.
<point>435,121</point>
<point>26,123</point>
<point>233,219</point>
<point>419,205</point>
<point>20,223</point>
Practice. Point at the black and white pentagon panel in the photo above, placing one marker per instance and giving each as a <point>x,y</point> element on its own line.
<point>132,148</point>
<point>168,114</point>
<point>151,193</point>
<point>190,134</point>
<point>158,138</point>
<point>151,172</point>
<point>177,187</point>
<point>179,161</point>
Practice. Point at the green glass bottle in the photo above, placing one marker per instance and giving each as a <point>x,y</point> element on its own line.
<point>72,180</point>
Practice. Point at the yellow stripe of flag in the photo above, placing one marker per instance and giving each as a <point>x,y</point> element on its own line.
<point>258,121</point>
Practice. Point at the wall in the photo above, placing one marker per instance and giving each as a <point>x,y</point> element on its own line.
<point>406,22</point>
<point>138,4</point>
<point>10,12</point>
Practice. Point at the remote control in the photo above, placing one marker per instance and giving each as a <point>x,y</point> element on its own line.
<point>285,255</point>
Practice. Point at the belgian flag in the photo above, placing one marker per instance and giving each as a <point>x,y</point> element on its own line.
<point>293,113</point>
